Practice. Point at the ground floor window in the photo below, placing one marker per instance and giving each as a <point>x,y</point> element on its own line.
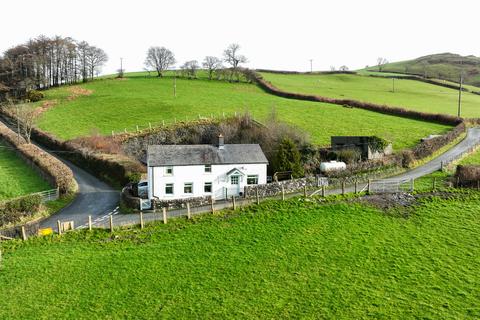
<point>169,188</point>
<point>234,179</point>
<point>207,187</point>
<point>252,179</point>
<point>188,187</point>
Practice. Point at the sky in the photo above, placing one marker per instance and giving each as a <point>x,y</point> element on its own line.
<point>281,35</point>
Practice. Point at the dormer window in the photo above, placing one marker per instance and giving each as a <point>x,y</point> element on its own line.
<point>208,168</point>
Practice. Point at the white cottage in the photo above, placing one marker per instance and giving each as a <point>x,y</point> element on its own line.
<point>187,171</point>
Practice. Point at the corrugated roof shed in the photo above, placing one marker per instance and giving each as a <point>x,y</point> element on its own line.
<point>184,155</point>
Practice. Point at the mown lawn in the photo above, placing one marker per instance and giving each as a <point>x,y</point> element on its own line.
<point>16,177</point>
<point>137,100</point>
<point>409,94</point>
<point>293,259</point>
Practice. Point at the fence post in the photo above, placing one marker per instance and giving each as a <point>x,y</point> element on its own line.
<point>111,223</point>
<point>441,166</point>
<point>164,210</point>
<point>234,204</point>
<point>458,181</point>
<point>59,226</point>
<point>356,186</point>
<point>283,193</point>
<point>24,234</point>
<point>189,214</point>
<point>323,191</point>
<point>256,195</point>
<point>368,186</point>
<point>137,127</point>
<point>141,220</point>
<point>412,185</point>
<point>343,187</point>
<point>305,191</point>
<point>212,207</point>
<point>90,223</point>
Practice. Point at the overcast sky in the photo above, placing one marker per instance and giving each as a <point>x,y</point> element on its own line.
<point>278,34</point>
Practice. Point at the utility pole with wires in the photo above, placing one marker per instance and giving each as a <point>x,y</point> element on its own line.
<point>311,65</point>
<point>460,89</point>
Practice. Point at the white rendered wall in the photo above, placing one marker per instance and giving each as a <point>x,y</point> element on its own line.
<point>198,176</point>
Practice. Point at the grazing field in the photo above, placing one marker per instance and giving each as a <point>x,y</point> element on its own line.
<point>292,259</point>
<point>409,94</point>
<point>111,104</point>
<point>16,177</point>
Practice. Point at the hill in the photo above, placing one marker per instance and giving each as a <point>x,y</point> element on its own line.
<point>409,94</point>
<point>446,66</point>
<point>292,259</point>
<point>112,105</point>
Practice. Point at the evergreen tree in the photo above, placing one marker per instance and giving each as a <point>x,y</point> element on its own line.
<point>288,158</point>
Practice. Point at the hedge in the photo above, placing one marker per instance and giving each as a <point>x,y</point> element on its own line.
<point>56,171</point>
<point>468,175</point>
<point>391,110</point>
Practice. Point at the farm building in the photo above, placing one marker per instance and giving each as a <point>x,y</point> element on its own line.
<point>365,144</point>
<point>188,171</point>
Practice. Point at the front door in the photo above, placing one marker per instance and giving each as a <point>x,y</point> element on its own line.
<point>235,183</point>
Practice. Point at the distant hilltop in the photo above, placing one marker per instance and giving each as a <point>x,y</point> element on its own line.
<point>447,66</point>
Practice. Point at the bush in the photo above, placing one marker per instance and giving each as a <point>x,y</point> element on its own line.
<point>35,95</point>
<point>467,175</point>
<point>12,211</point>
<point>288,159</point>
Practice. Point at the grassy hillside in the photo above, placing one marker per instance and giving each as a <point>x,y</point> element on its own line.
<point>443,66</point>
<point>409,94</point>
<point>473,158</point>
<point>16,177</point>
<point>112,104</point>
<point>293,259</point>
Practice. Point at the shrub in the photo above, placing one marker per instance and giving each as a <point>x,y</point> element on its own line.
<point>467,175</point>
<point>35,95</point>
<point>288,159</point>
<point>348,155</point>
<point>14,210</point>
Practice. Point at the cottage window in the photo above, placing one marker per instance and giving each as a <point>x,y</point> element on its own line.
<point>252,179</point>
<point>207,187</point>
<point>234,179</point>
<point>169,171</point>
<point>169,188</point>
<point>208,168</point>
<point>188,187</point>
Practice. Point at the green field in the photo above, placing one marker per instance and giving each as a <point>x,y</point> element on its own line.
<point>292,259</point>
<point>409,94</point>
<point>473,158</point>
<point>137,100</point>
<point>17,178</point>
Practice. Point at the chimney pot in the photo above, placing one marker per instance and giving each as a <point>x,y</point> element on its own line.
<point>221,141</point>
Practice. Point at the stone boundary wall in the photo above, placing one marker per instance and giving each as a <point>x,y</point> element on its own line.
<point>182,203</point>
<point>275,188</point>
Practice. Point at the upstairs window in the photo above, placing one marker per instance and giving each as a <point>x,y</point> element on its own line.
<point>169,188</point>
<point>188,188</point>
<point>252,179</point>
<point>208,168</point>
<point>169,171</point>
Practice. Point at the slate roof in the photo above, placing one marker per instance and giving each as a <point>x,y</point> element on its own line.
<point>184,155</point>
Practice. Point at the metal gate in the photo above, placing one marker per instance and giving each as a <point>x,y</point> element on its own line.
<point>391,185</point>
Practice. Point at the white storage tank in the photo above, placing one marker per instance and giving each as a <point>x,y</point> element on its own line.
<point>332,166</point>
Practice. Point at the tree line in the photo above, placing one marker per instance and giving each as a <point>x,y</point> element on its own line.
<point>162,59</point>
<point>45,62</point>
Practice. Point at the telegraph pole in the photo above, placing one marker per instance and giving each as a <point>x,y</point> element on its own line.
<point>311,65</point>
<point>460,94</point>
<point>121,68</point>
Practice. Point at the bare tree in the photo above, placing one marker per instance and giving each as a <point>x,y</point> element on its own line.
<point>25,116</point>
<point>212,64</point>
<point>160,59</point>
<point>96,58</point>
<point>381,62</point>
<point>189,69</point>
<point>234,59</point>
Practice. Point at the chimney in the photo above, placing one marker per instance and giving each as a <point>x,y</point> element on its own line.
<point>221,142</point>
